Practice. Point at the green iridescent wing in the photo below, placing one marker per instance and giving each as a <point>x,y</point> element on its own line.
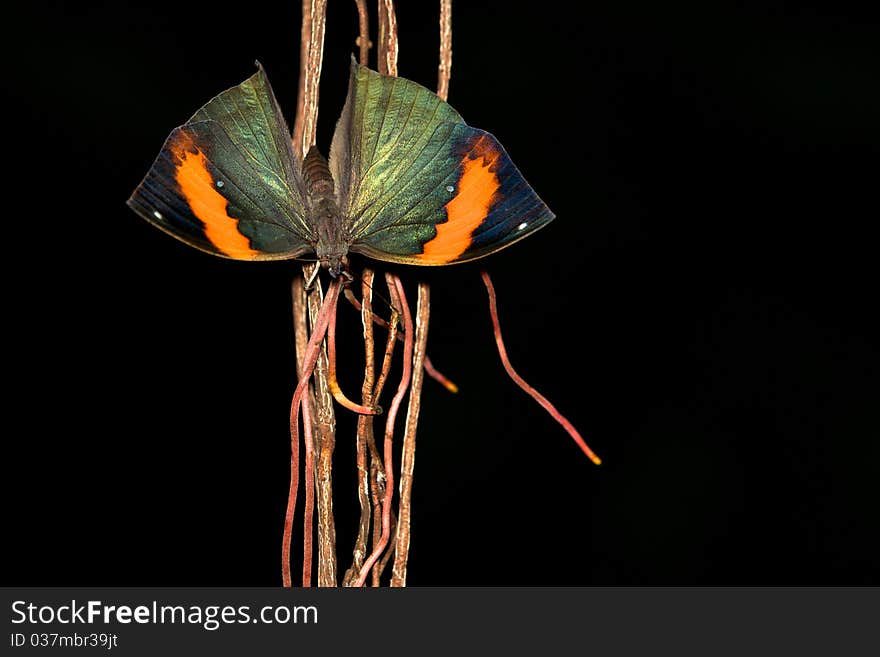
<point>417,185</point>
<point>226,181</point>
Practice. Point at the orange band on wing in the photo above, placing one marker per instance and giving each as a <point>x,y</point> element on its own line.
<point>468,208</point>
<point>206,203</point>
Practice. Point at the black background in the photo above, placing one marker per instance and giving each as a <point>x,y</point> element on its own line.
<point>703,308</point>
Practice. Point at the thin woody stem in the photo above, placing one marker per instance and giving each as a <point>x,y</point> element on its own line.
<point>363,40</point>
<point>364,425</point>
<point>377,468</point>
<point>420,363</point>
<point>444,70</point>
<point>388,45</point>
<point>319,480</point>
<point>393,281</point>
<point>311,58</point>
<point>393,336</point>
<point>311,54</point>
<point>305,39</point>
<point>309,359</point>
<point>537,396</point>
<point>325,425</point>
<point>407,461</point>
<point>326,524</point>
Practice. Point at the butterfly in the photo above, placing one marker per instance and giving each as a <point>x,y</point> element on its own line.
<point>407,181</point>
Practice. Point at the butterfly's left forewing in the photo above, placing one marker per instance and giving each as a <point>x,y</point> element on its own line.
<point>419,186</point>
<point>225,182</point>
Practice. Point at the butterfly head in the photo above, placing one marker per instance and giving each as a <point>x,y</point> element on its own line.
<point>336,264</point>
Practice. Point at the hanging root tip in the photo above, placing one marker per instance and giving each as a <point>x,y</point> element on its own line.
<point>573,433</point>
<point>345,402</point>
<point>534,394</point>
<point>435,374</point>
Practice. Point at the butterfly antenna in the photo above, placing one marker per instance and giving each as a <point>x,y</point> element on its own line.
<point>537,396</point>
<point>429,368</point>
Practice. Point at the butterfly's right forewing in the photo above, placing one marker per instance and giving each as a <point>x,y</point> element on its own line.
<point>418,185</point>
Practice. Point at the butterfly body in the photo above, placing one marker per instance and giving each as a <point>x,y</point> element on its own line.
<point>322,207</point>
<point>407,181</point>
